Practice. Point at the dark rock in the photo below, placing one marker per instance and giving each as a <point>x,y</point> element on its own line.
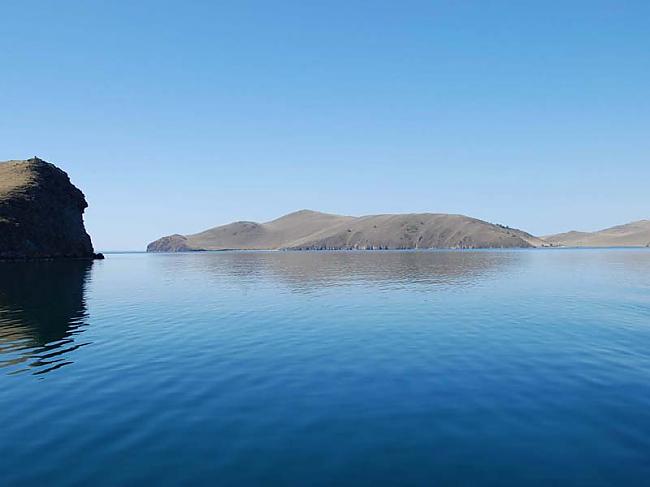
<point>41,213</point>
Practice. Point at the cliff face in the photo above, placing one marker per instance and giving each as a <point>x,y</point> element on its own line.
<point>41,213</point>
<point>310,230</point>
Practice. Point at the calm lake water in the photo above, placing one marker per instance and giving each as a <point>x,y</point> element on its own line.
<point>338,368</point>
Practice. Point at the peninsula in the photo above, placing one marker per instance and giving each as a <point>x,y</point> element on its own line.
<point>312,230</point>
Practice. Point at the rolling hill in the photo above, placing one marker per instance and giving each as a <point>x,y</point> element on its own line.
<point>311,230</point>
<point>635,234</point>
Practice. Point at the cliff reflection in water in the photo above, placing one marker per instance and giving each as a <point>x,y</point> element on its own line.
<point>42,313</point>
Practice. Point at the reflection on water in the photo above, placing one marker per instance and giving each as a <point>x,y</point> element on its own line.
<point>310,271</point>
<point>42,313</point>
<point>501,368</point>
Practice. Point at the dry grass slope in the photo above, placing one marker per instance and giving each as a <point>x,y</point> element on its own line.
<point>311,230</point>
<point>15,177</point>
<point>635,234</point>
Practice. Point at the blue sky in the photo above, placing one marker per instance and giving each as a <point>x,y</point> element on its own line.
<point>178,116</point>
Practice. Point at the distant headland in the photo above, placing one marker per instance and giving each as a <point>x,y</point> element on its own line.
<point>635,234</point>
<point>311,230</point>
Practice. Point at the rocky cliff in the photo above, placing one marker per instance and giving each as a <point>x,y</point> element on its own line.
<point>311,230</point>
<point>41,213</point>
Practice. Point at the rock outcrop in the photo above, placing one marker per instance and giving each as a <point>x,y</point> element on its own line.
<point>172,243</point>
<point>41,213</point>
<point>310,230</point>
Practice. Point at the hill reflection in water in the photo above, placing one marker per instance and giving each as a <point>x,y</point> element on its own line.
<point>42,313</point>
<point>331,368</point>
<point>311,271</point>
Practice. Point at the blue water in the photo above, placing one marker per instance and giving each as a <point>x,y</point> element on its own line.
<point>337,368</point>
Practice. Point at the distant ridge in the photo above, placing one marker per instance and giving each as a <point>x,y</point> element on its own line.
<point>635,234</point>
<point>312,230</point>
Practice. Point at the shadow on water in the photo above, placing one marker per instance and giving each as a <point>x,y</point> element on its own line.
<point>42,313</point>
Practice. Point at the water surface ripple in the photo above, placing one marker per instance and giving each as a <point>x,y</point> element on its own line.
<point>334,368</point>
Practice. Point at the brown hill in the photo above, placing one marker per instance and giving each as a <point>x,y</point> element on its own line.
<point>311,230</point>
<point>635,234</point>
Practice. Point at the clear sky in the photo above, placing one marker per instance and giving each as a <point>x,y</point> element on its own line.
<point>176,116</point>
